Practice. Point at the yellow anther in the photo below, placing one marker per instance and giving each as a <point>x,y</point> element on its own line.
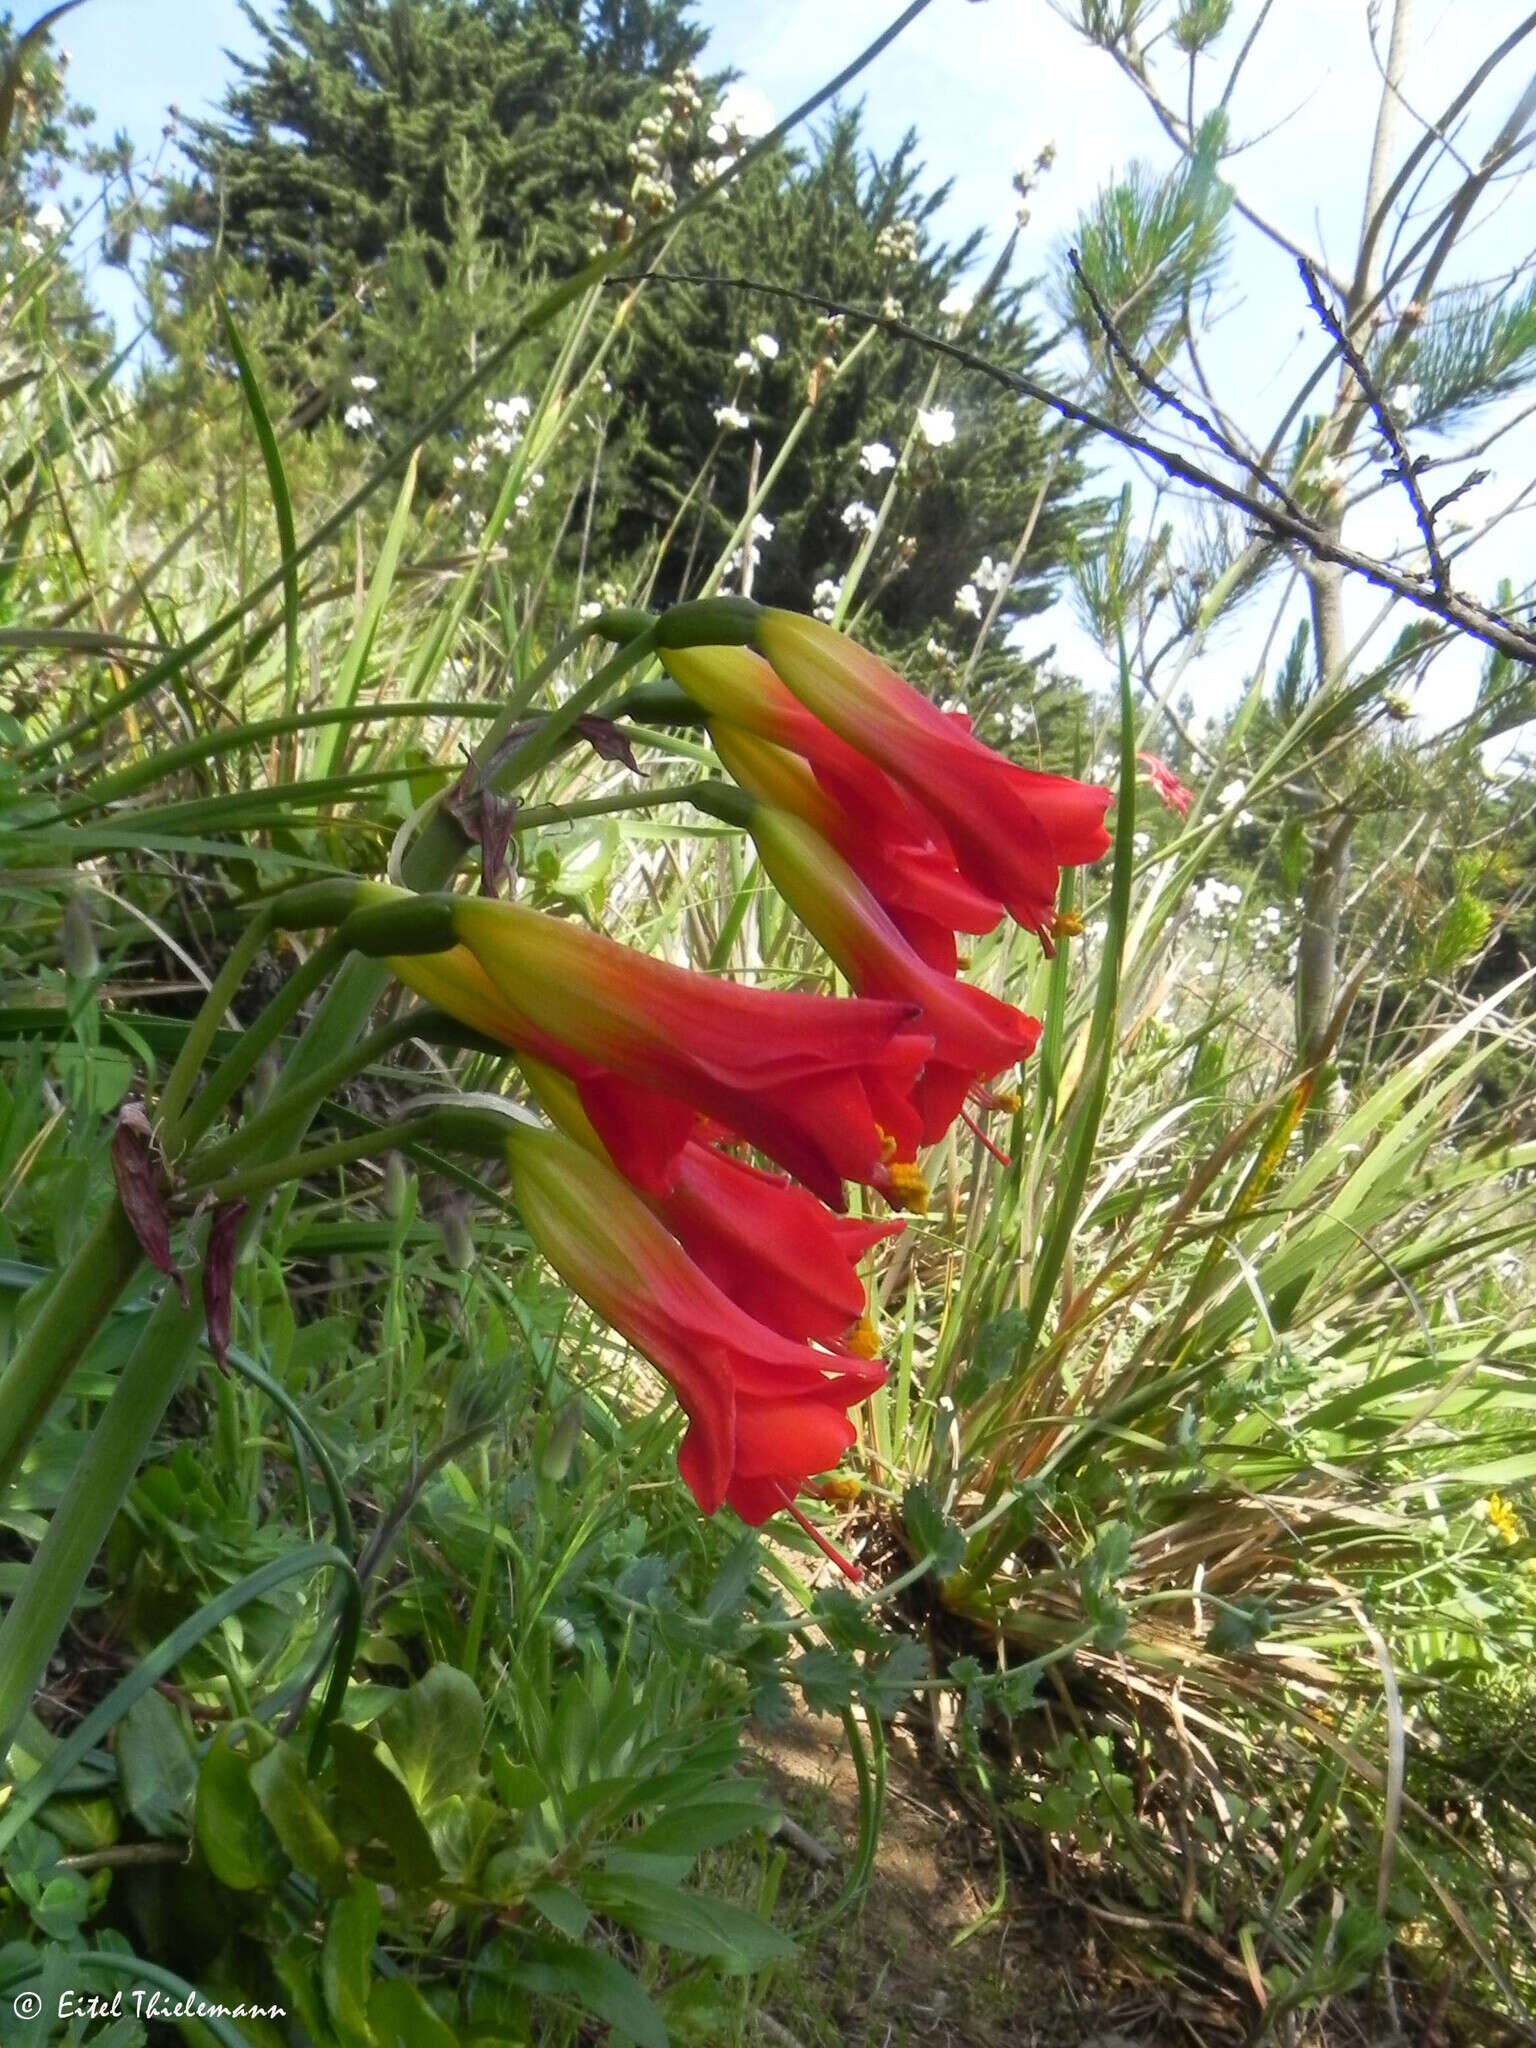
<point>841,1486</point>
<point>906,1188</point>
<point>962,961</point>
<point>1066,924</point>
<point>863,1340</point>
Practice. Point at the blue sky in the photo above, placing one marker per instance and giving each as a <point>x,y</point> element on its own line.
<point>986,85</point>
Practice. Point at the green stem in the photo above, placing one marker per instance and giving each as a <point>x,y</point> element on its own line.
<point>275,1120</point>
<point>205,1027</point>
<point>77,1303</point>
<point>260,1180</point>
<point>264,1033</point>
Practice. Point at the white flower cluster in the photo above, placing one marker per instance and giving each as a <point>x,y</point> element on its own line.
<point>740,118</point>
<point>49,219</point>
<point>825,596</point>
<point>1214,898</point>
<point>363,382</point>
<point>876,458</point>
<point>357,417</point>
<point>968,601</point>
<point>859,517</point>
<point>936,424</point>
<point>732,418</point>
<point>897,242</point>
<point>760,530</point>
<point>507,418</point>
<point>990,576</point>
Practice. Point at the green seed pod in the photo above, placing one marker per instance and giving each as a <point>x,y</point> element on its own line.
<point>263,1081</point>
<point>560,1446</point>
<point>458,1239</point>
<point>396,1188</point>
<point>77,940</point>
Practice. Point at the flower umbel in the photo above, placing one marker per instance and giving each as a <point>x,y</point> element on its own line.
<point>764,1413</point>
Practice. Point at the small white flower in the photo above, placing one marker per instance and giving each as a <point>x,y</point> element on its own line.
<point>591,609</point>
<point>357,417</point>
<point>762,529</point>
<point>1141,843</point>
<point>891,308</point>
<point>767,346</point>
<point>364,383</point>
<point>732,418</point>
<point>859,517</point>
<point>746,110</point>
<point>31,243</point>
<point>968,601</point>
<point>745,360</point>
<point>1213,897</point>
<point>825,596</point>
<point>956,304</point>
<point>1331,473</point>
<point>1403,401</point>
<point>936,424</point>
<point>49,218</point>
<point>1020,720</point>
<point>990,576</point>
<point>876,458</point>
<point>1231,793</point>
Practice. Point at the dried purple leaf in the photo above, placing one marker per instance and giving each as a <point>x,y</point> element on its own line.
<point>219,1276</point>
<point>141,1189</point>
<point>608,741</point>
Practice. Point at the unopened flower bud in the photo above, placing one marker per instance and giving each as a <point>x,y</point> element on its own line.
<point>564,1436</point>
<point>396,1188</point>
<point>458,1239</point>
<point>263,1081</point>
<point>77,940</point>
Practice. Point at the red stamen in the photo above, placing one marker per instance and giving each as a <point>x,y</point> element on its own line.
<point>975,1128</point>
<point>844,1565</point>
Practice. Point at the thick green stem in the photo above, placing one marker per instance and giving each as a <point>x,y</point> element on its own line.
<point>49,1352</point>
<point>205,1028</point>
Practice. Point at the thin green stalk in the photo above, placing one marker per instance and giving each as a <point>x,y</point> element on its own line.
<point>273,1120</point>
<point>80,1298</point>
<point>205,1028</point>
<point>260,1180</point>
<point>248,1050</point>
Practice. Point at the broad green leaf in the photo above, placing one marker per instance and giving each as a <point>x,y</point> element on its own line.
<point>597,1983</point>
<point>436,1733</point>
<point>157,1767</point>
<point>346,1961</point>
<point>241,1846</point>
<point>288,1801</point>
<point>686,1920</point>
<point>384,1806</point>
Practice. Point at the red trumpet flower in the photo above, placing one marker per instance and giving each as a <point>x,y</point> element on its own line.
<point>779,1254</point>
<point>778,752</point>
<point>764,1413</point>
<point>822,1084</point>
<point>1012,830</point>
<point>975,1036</point>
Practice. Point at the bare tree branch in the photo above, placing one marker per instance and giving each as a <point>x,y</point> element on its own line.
<point>1280,526</point>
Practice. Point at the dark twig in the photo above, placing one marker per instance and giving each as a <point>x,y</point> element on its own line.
<point>1282,526</point>
<point>1469,482</point>
<point>1403,469</point>
<point>1166,395</point>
